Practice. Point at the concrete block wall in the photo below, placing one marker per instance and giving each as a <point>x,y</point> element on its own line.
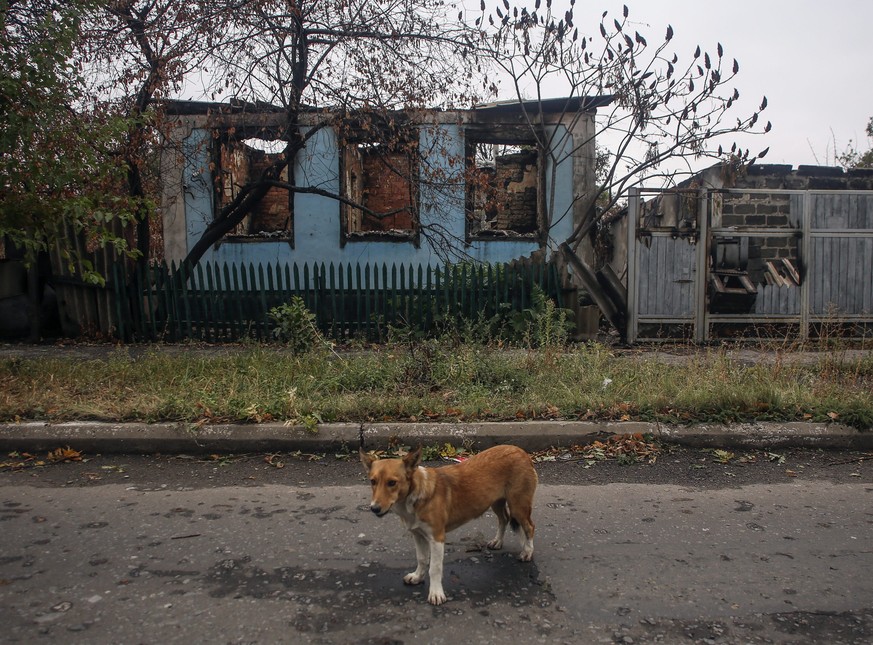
<point>784,176</point>
<point>773,210</point>
<point>770,210</point>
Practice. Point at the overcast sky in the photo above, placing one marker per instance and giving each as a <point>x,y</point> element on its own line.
<point>812,59</point>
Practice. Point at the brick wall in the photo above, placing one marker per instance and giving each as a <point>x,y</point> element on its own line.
<point>506,195</point>
<point>386,188</point>
<point>273,214</point>
<point>239,163</point>
<point>517,176</point>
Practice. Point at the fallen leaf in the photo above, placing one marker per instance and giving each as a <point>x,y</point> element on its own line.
<point>448,450</point>
<point>274,461</point>
<point>64,454</point>
<point>626,448</point>
<point>551,412</point>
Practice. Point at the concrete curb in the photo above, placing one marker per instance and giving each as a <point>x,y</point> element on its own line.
<point>96,437</point>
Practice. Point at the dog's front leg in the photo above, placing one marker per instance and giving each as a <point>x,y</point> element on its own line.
<point>435,594</point>
<point>422,556</point>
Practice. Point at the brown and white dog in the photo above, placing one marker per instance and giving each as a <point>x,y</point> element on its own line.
<point>433,501</point>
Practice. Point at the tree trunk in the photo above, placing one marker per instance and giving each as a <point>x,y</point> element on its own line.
<point>225,223</point>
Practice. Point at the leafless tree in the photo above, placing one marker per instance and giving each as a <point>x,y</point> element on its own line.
<point>667,111</point>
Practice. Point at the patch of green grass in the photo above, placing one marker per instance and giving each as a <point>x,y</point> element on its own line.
<point>430,379</point>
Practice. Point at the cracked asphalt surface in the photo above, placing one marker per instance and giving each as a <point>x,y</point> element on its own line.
<point>767,548</point>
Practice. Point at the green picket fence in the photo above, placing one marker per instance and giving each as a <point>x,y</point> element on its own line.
<point>226,302</point>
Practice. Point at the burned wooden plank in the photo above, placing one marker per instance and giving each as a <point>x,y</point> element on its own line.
<point>774,273</point>
<point>791,271</point>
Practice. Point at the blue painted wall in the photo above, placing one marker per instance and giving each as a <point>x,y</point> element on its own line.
<point>317,219</point>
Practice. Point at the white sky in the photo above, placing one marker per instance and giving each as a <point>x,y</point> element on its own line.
<point>812,59</point>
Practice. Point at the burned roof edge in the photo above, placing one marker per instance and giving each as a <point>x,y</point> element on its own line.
<point>546,106</point>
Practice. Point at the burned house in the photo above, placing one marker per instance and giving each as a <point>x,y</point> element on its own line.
<point>408,188</point>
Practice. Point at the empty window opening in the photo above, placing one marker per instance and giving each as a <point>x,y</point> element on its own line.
<point>243,161</point>
<point>503,187</point>
<point>381,178</point>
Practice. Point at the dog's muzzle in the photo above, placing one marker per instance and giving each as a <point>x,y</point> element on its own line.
<point>377,510</point>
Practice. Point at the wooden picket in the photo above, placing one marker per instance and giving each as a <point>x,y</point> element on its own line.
<point>226,302</point>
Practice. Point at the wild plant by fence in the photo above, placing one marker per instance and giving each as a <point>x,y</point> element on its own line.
<point>223,302</point>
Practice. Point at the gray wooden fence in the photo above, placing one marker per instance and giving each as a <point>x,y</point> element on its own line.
<point>746,262</point>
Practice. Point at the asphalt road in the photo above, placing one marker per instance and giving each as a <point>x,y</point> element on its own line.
<point>767,548</point>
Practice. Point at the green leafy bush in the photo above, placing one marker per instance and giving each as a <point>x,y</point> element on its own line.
<point>295,326</point>
<point>547,325</point>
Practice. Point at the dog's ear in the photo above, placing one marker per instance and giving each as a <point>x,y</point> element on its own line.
<point>366,458</point>
<point>412,459</point>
